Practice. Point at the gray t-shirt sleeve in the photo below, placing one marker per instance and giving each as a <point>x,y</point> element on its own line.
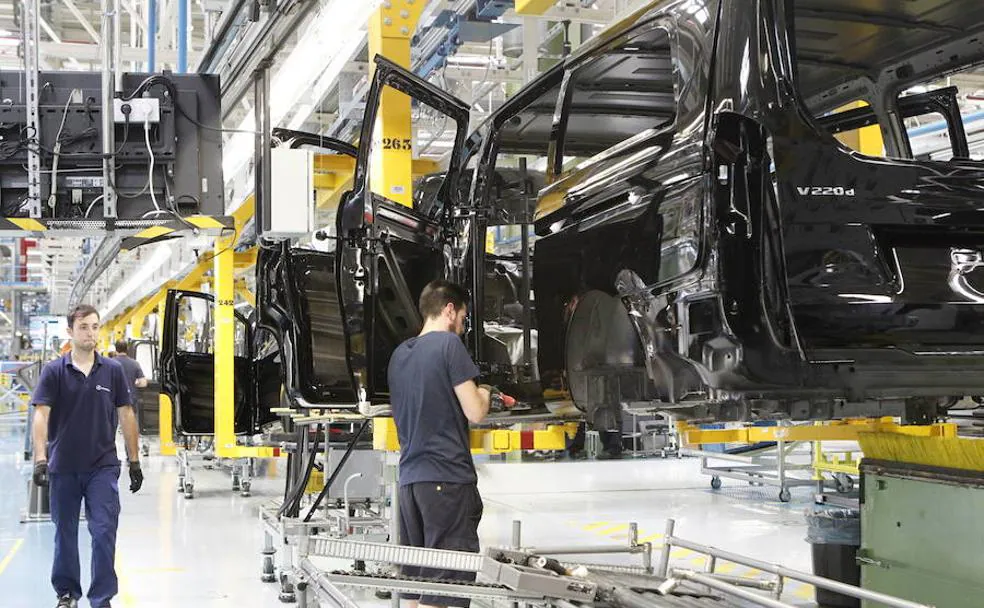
<point>461,368</point>
<point>138,370</point>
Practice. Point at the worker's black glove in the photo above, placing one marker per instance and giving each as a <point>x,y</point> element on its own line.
<point>136,477</point>
<point>41,474</point>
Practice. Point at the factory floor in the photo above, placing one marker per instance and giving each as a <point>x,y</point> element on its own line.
<point>174,552</point>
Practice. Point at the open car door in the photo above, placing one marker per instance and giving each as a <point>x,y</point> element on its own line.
<point>188,365</point>
<point>297,307</point>
<point>145,352</point>
<point>387,252</point>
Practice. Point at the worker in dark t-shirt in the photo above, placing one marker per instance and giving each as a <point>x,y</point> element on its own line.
<point>131,367</point>
<point>434,397</point>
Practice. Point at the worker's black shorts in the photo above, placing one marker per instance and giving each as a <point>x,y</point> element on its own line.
<point>440,516</point>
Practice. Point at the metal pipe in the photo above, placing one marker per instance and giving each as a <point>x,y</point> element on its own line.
<point>816,581</point>
<point>182,36</point>
<point>517,534</point>
<point>151,36</point>
<point>664,554</point>
<point>345,499</point>
<point>262,153</point>
<point>117,48</point>
<point>587,550</point>
<point>751,583</point>
<point>729,589</point>
<point>109,167</point>
<point>527,273</point>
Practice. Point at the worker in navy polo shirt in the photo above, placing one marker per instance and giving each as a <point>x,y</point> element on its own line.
<point>79,401</point>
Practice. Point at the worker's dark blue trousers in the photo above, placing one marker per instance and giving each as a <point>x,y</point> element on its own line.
<point>100,489</point>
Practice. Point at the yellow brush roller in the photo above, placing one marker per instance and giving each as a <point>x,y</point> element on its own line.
<point>948,452</point>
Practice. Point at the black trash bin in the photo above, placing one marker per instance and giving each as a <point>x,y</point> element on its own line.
<point>835,535</point>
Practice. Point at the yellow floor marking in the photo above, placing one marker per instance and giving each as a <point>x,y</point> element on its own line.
<point>726,567</point>
<point>805,592</point>
<point>10,554</point>
<point>681,552</point>
<point>125,595</point>
<point>596,525</point>
<point>612,529</point>
<point>156,570</point>
<point>650,538</point>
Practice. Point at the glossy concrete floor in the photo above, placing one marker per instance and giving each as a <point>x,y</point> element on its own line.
<point>173,552</point>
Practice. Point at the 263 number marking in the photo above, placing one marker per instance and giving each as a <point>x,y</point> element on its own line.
<point>395,143</point>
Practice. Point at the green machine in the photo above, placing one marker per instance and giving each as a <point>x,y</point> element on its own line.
<point>922,533</point>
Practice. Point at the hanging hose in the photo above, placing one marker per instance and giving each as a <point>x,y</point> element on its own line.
<point>292,505</point>
<point>337,471</point>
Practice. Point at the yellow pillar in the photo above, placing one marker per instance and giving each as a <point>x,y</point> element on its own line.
<point>866,140</point>
<point>391,164</point>
<point>106,335</point>
<point>225,345</point>
<point>165,425</point>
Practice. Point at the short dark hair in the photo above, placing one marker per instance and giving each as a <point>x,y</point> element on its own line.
<point>80,312</point>
<point>438,294</point>
<point>121,347</point>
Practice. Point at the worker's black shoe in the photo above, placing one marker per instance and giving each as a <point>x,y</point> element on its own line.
<point>67,601</point>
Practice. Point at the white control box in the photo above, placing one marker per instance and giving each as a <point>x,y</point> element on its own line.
<point>290,211</point>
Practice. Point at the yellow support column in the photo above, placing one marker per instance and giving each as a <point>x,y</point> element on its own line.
<point>225,345</point>
<point>165,427</point>
<point>391,165</point>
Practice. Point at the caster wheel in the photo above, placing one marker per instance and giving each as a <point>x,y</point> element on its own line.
<point>245,489</point>
<point>716,483</point>
<point>785,495</point>
<point>145,451</point>
<point>268,578</point>
<point>287,598</point>
<point>189,491</point>
<point>181,484</point>
<point>235,484</point>
<point>844,484</point>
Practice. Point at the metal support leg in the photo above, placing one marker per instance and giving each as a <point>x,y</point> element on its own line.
<point>268,575</point>
<point>287,594</point>
<point>664,554</point>
<point>246,480</point>
<point>394,517</point>
<point>186,481</point>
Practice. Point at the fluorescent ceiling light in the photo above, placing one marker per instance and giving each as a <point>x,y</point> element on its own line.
<point>6,41</point>
<point>139,277</point>
<point>332,38</point>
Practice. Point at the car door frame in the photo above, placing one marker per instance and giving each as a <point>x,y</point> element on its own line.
<point>283,323</point>
<point>169,380</point>
<point>358,233</point>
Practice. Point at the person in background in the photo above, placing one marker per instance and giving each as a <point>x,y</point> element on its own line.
<point>131,367</point>
<point>79,401</point>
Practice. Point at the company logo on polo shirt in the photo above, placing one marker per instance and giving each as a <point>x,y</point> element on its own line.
<point>100,387</point>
